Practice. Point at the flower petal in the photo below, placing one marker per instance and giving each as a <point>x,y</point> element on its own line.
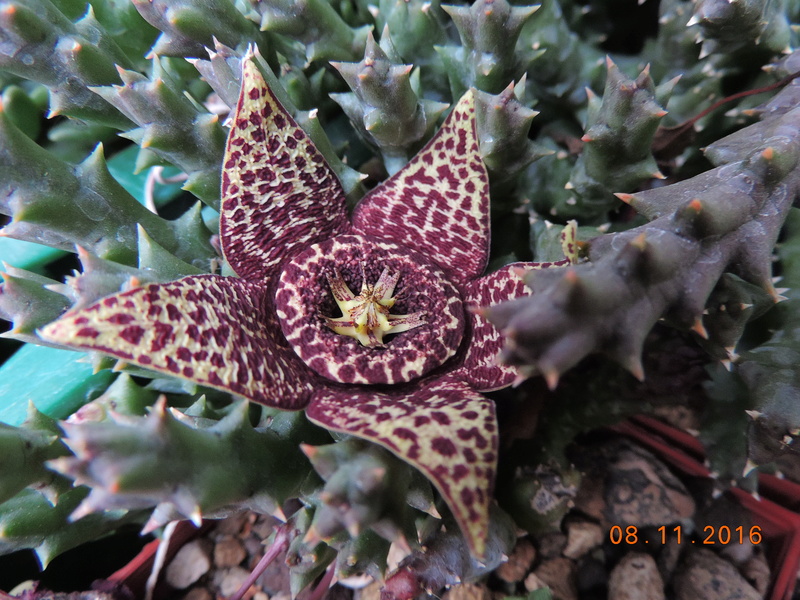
<point>438,204</point>
<point>446,430</point>
<point>216,331</point>
<point>480,367</point>
<point>278,193</point>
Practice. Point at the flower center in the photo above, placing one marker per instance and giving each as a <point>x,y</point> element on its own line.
<point>366,317</point>
<point>353,348</point>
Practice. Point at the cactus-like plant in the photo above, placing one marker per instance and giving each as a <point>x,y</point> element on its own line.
<point>670,266</point>
<point>251,345</point>
<point>258,282</point>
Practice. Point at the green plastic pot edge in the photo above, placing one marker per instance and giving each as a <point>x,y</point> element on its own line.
<point>27,255</point>
<point>58,382</point>
<point>33,257</point>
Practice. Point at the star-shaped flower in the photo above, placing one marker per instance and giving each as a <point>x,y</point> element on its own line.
<point>402,363</point>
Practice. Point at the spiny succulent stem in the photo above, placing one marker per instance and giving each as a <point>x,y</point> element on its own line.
<point>279,544</point>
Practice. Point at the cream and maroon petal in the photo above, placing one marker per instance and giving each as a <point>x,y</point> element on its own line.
<point>569,245</point>
<point>278,193</point>
<point>446,430</point>
<point>480,367</point>
<point>215,331</point>
<point>438,204</point>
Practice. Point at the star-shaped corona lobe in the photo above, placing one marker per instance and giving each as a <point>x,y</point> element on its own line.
<point>446,430</point>
<point>278,193</point>
<point>438,204</point>
<point>216,331</point>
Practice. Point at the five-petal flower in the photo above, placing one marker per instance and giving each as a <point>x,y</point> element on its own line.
<point>409,380</point>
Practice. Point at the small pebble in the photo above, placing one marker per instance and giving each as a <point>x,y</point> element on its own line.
<point>645,492</point>
<point>231,525</point>
<point>668,557</point>
<point>229,552</point>
<point>190,564</point>
<point>227,581</point>
<point>738,554</point>
<point>559,574</point>
<point>263,527</point>
<point>519,563</point>
<point>705,575</point>
<point>628,485</point>
<point>757,572</point>
<point>275,579</point>
<point>198,593</point>
<point>582,536</point>
<point>468,591</point>
<point>533,583</point>
<point>636,577</point>
<point>247,526</point>
<point>552,544</point>
<point>254,546</point>
<point>590,499</point>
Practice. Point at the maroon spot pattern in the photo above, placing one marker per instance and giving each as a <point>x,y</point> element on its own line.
<point>438,204</point>
<point>282,204</point>
<point>480,368</point>
<point>461,468</point>
<point>303,293</point>
<point>233,322</point>
<point>274,198</point>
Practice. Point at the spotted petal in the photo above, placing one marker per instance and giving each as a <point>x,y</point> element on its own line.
<point>438,204</point>
<point>278,193</point>
<point>480,367</point>
<point>446,430</point>
<point>216,331</point>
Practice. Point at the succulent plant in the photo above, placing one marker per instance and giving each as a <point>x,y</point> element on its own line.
<point>698,231</point>
<point>273,282</point>
<point>383,100</point>
<point>289,353</point>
